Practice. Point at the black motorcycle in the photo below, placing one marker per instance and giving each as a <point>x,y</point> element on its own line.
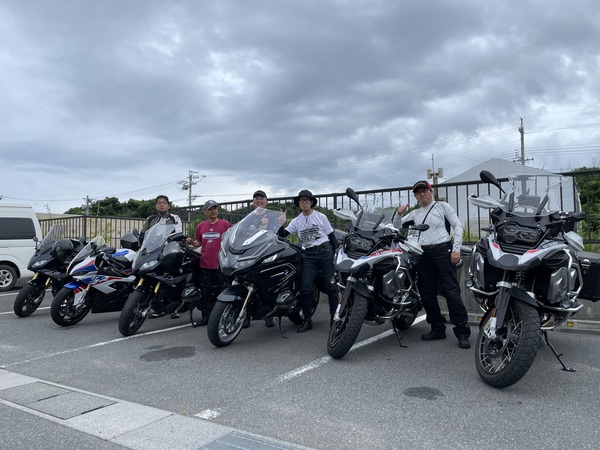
<point>375,267</point>
<point>266,278</point>
<point>527,274</point>
<point>163,268</point>
<point>49,264</point>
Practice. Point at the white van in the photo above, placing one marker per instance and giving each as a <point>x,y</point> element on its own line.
<point>18,226</point>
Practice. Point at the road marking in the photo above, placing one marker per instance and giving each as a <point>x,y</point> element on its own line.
<point>99,344</point>
<point>12,312</point>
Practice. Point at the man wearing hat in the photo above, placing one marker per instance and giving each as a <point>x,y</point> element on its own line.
<point>208,235</point>
<point>436,266</point>
<point>319,242</point>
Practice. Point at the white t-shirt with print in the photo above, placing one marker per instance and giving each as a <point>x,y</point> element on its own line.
<point>312,230</point>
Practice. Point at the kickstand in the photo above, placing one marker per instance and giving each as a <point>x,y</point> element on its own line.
<point>399,338</point>
<point>281,330</point>
<point>565,368</point>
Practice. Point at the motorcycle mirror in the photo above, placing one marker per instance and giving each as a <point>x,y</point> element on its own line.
<point>175,237</point>
<point>135,232</point>
<point>488,177</point>
<point>420,227</point>
<point>350,193</point>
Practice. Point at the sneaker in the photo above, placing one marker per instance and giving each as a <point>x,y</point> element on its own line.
<point>463,342</point>
<point>202,323</point>
<point>157,314</point>
<point>269,322</point>
<point>434,335</point>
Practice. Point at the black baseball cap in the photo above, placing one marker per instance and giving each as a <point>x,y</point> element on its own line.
<point>209,204</point>
<point>259,193</point>
<point>420,185</point>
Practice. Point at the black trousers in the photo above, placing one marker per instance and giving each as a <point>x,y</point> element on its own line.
<point>315,260</point>
<point>212,282</point>
<point>434,267</point>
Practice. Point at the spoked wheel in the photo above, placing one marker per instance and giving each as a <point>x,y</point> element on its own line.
<point>503,361</point>
<point>343,333</point>
<point>297,316</point>
<point>29,298</point>
<point>222,325</point>
<point>134,312</point>
<point>63,310</point>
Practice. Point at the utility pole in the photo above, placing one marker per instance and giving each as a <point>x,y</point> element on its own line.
<point>86,213</point>
<point>186,185</point>
<point>522,159</point>
<point>435,174</point>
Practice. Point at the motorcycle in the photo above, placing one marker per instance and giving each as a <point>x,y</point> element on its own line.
<point>101,281</point>
<point>163,270</point>
<point>375,267</point>
<point>527,274</point>
<point>266,275</point>
<point>49,264</point>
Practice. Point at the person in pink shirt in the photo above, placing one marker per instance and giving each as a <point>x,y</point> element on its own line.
<point>208,236</point>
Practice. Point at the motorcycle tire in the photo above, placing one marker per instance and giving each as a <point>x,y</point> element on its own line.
<point>343,333</point>
<point>504,361</point>
<point>296,315</point>
<point>222,328</point>
<point>29,298</point>
<point>62,310</point>
<point>133,313</point>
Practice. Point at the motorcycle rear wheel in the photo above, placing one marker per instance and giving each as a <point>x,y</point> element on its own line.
<point>504,361</point>
<point>62,310</point>
<point>29,298</point>
<point>132,315</point>
<point>343,333</point>
<point>222,328</point>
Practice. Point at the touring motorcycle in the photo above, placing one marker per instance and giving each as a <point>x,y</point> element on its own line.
<point>101,281</point>
<point>527,274</point>
<point>49,264</point>
<point>163,271</point>
<point>375,267</point>
<point>265,272</point>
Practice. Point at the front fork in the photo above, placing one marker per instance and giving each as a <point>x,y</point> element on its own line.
<point>498,311</point>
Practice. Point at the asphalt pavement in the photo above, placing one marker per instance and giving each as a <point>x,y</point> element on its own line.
<point>86,386</point>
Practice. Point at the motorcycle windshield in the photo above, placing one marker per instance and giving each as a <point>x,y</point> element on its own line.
<point>55,233</point>
<point>370,220</point>
<point>98,241</point>
<point>533,194</point>
<point>258,227</point>
<point>154,238</point>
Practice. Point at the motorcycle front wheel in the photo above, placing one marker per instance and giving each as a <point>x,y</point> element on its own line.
<point>503,361</point>
<point>222,328</point>
<point>134,312</point>
<point>343,333</point>
<point>64,312</point>
<point>29,298</point>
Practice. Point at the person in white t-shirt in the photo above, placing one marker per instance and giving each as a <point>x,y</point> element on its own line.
<point>319,242</point>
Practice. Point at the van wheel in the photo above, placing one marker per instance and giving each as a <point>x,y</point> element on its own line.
<point>8,277</point>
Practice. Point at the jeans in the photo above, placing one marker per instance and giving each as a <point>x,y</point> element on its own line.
<point>433,267</point>
<point>315,261</point>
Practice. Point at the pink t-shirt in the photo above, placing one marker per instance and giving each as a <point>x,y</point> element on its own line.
<point>209,235</point>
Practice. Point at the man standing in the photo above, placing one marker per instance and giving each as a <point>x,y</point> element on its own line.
<point>437,263</point>
<point>162,216</point>
<point>208,235</point>
<point>319,242</point>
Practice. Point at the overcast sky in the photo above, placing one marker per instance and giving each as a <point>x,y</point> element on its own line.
<point>124,98</point>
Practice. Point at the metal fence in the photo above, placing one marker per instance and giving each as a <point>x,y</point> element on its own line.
<point>112,228</point>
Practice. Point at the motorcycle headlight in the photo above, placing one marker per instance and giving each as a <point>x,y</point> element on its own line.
<point>271,258</point>
<point>39,263</point>
<point>513,234</point>
<point>149,265</point>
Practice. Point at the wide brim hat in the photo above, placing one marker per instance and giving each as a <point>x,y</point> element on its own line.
<point>305,193</point>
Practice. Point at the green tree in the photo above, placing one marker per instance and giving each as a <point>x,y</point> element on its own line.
<point>111,206</point>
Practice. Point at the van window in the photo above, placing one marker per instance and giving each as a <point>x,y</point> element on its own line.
<point>16,228</point>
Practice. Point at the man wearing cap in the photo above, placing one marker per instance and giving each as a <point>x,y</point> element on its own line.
<point>259,201</point>
<point>208,235</point>
<point>437,263</point>
<point>319,242</point>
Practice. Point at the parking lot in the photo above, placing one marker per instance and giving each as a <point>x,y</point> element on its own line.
<point>288,391</point>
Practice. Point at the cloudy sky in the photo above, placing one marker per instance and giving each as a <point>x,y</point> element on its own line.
<point>125,98</point>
